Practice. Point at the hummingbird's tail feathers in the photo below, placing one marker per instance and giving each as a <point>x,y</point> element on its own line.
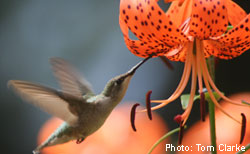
<point>52,140</point>
<point>40,147</point>
<point>59,136</point>
<point>45,98</point>
<point>48,142</point>
<point>35,152</point>
<point>69,79</point>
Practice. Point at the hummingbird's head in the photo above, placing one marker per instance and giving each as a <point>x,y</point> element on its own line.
<point>117,86</point>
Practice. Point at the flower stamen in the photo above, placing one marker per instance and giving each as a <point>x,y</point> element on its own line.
<point>178,118</point>
<point>187,112</point>
<point>205,77</point>
<point>202,106</point>
<point>148,100</point>
<point>206,73</point>
<point>221,94</point>
<point>200,83</point>
<point>132,116</point>
<point>182,84</point>
<point>243,127</point>
<point>181,133</point>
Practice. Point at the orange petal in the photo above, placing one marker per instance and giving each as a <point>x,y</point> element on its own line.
<point>167,1</point>
<point>142,48</point>
<point>235,12</point>
<point>130,14</point>
<point>149,23</point>
<point>209,18</point>
<point>209,48</point>
<point>178,54</point>
<point>217,49</point>
<point>234,42</point>
<point>179,14</point>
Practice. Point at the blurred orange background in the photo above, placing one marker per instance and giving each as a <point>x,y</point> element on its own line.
<point>227,130</point>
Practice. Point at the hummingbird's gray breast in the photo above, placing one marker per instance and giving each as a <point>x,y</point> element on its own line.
<point>93,117</point>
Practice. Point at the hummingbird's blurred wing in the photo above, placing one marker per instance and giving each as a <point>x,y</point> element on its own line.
<point>45,98</point>
<point>69,79</point>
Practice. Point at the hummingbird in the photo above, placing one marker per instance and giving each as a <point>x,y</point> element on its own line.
<point>82,111</point>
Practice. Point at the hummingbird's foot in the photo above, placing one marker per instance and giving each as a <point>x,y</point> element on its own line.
<point>78,141</point>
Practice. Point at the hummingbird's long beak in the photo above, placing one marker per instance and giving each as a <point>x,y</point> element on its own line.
<point>133,69</point>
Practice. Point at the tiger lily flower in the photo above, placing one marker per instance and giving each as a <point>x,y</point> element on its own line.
<point>190,31</point>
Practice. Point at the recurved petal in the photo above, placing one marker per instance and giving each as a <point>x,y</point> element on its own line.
<point>178,54</point>
<point>130,17</point>
<point>235,12</point>
<point>217,49</point>
<point>143,48</point>
<point>234,42</point>
<point>178,13</point>
<point>209,18</point>
<point>149,23</point>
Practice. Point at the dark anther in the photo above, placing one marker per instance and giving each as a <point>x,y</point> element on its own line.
<point>166,61</point>
<point>78,141</point>
<point>179,120</point>
<point>202,106</point>
<point>180,134</point>
<point>148,104</point>
<point>132,116</point>
<point>243,127</point>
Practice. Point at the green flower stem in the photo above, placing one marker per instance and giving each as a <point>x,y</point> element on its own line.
<point>163,138</point>
<point>211,108</point>
<point>247,147</point>
<point>212,126</point>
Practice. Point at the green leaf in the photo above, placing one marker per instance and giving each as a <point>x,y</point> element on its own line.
<point>185,99</point>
